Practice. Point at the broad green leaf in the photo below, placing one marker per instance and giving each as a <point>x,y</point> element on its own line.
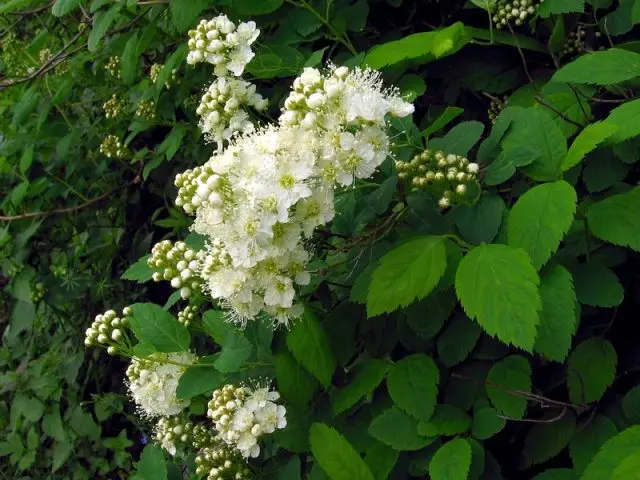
<point>52,425</point>
<point>486,423</point>
<point>63,7</point>
<point>627,118</point>
<point>480,222</point>
<point>628,469</point>
<point>130,60</point>
<point>184,15</point>
<point>61,452</point>
<point>421,47</point>
<point>381,459</point>
<point>588,139</point>
<point>236,350</point>
<point>588,440</point>
<point>546,440</point>
<point>616,219</point>
<point>101,23</point>
<point>154,325</point>
<point>498,286</point>
<point>509,375</point>
<point>272,61</point>
<point>631,404</point>
<point>405,274</point>
<point>413,385</point>
<point>336,456</point>
<point>446,420</point>
<point>603,170</point>
<point>309,344</point>
<point>558,316</point>
<point>217,327</point>
<point>152,465</point>
<point>612,454</point>
<point>596,285</point>
<point>449,114</point>
<point>427,316</point>
<point>554,7</point>
<point>411,87</point>
<point>139,272</point>
<point>457,340</point>
<point>197,380</point>
<point>398,430</point>
<point>251,7</point>
<point>557,474</point>
<point>460,139</point>
<point>540,218</point>
<point>604,67</point>
<point>591,369</point>
<point>366,377</point>
<point>294,383</point>
<point>452,461</point>
<point>26,159</point>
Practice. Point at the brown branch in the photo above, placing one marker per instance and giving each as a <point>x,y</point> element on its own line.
<point>533,420</point>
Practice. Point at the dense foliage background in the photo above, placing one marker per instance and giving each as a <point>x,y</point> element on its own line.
<point>496,338</point>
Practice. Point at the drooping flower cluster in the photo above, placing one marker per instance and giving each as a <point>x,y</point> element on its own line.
<point>513,11</point>
<point>260,199</point>
<point>108,330</point>
<point>153,382</point>
<point>222,463</point>
<point>112,147</point>
<point>223,108</point>
<point>449,175</point>
<point>178,264</point>
<point>113,107</point>
<point>220,42</point>
<point>242,415</point>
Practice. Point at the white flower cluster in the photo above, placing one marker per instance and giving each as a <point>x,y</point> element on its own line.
<point>153,382</point>
<point>241,415</point>
<point>260,199</point>
<point>220,42</point>
<point>516,11</point>
<point>222,108</point>
<point>112,147</point>
<point>222,463</point>
<point>146,110</point>
<point>177,264</point>
<point>108,330</point>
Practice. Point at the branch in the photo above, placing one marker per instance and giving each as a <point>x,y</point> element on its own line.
<point>533,420</point>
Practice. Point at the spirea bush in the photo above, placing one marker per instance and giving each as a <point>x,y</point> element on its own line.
<point>320,239</point>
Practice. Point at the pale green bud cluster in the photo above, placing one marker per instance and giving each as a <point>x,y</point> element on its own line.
<point>113,107</point>
<point>448,174</point>
<point>513,11</point>
<point>113,66</point>
<point>37,292</point>
<point>44,55</point>
<point>155,70</point>
<point>200,186</point>
<point>177,264</point>
<point>112,147</point>
<point>146,110</point>
<point>216,258</point>
<point>496,106</point>
<point>107,330</point>
<point>225,401</point>
<point>188,314</point>
<point>174,434</point>
<point>574,44</point>
<point>222,463</point>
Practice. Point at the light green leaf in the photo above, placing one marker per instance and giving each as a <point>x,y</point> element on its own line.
<point>449,114</point>
<point>398,430</point>
<point>101,23</point>
<point>540,218</point>
<point>612,454</point>
<point>413,385</point>
<point>460,139</point>
<point>237,349</point>
<point>452,461</point>
<point>446,420</point>
<point>604,67</point>
<point>309,344</point>
<point>139,272</point>
<point>154,325</point>
<point>294,383</point>
<point>185,14</point>
<point>588,440</point>
<point>596,285</point>
<point>628,469</point>
<point>336,456</point>
<point>217,327</point>
<point>272,61</point>
<point>588,139</point>
<point>366,377</point>
<point>63,7</point>
<point>546,440</point>
<point>616,219</point>
<point>152,465</point>
<point>509,374</point>
<point>130,60</point>
<point>197,380</point>
<point>405,274</point>
<point>486,423</point>
<point>498,286</point>
<point>558,317</point>
<point>457,340</point>
<point>591,369</point>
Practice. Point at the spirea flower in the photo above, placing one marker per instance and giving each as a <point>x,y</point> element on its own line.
<point>223,108</point>
<point>173,433</point>
<point>242,415</point>
<point>113,66</point>
<point>108,330</point>
<point>222,462</point>
<point>513,11</point>
<point>113,107</point>
<point>220,42</point>
<point>112,147</point>
<point>178,264</point>
<point>146,110</point>
<point>153,383</point>
<point>188,314</point>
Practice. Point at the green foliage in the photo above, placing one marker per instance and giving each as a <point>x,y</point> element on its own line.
<point>611,455</point>
<point>451,461</point>
<point>511,374</point>
<point>615,219</point>
<point>336,456</point>
<point>601,68</point>
<point>156,327</point>
<point>591,369</point>
<point>413,385</point>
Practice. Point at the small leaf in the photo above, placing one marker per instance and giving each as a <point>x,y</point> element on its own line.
<point>152,465</point>
<point>101,23</point>
<point>413,385</point>
<point>366,377</point>
<point>452,461</point>
<point>480,222</point>
<point>601,68</point>
<point>546,440</point>
<point>597,285</point>
<point>63,7</point>
<point>626,117</point>
<point>449,114</point>
<point>446,420</point>
<point>336,456</point>
<point>294,383</point>
<point>460,139</point>
<point>197,380</point>
<point>381,459</point>
<point>130,60</point>
<point>157,327</point>
<point>510,374</point>
<point>52,425</point>
<point>139,272</point>
<point>398,430</point>
<point>612,454</point>
<point>616,220</point>
<point>591,369</point>
<point>405,274</point>
<point>588,440</point>
<point>184,14</point>
<point>457,340</point>
<point>237,349</point>
<point>486,423</point>
<point>588,139</point>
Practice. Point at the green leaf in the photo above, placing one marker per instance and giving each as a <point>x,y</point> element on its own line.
<point>411,86</point>
<point>597,285</point>
<point>156,326</point>
<point>452,461</point>
<point>631,404</point>
<point>294,383</point>
<point>546,440</point>
<point>61,452</point>
<point>616,220</point>
<point>139,272</point>
<point>421,47</point>
<point>480,222</point>
<point>101,23</point>
<point>309,344</point>
<point>381,459</point>
<point>603,170</point>
<point>413,385</point>
<point>52,425</point>
<point>130,60</point>
<point>336,456</point>
<point>152,465</point>
<point>63,7</point>
<point>273,61</point>
<point>405,274</point>
<point>588,139</point>
<point>236,350</point>
<point>555,7</point>
<point>558,317</point>
<point>26,159</point>
<point>197,380</point>
<point>366,377</point>
<point>629,468</point>
<point>398,430</point>
<point>457,340</point>
<point>449,114</point>
<point>460,139</point>
<point>627,118</point>
<point>588,440</point>
<point>604,67</point>
<point>251,7</point>
<point>509,374</point>
<point>498,286</point>
<point>540,218</point>
<point>556,474</point>
<point>591,369</point>
<point>486,423</point>
<point>427,316</point>
<point>217,327</point>
<point>612,454</point>
<point>446,420</point>
<point>184,14</point>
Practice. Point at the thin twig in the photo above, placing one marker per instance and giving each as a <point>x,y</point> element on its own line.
<point>543,102</point>
<point>533,420</point>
